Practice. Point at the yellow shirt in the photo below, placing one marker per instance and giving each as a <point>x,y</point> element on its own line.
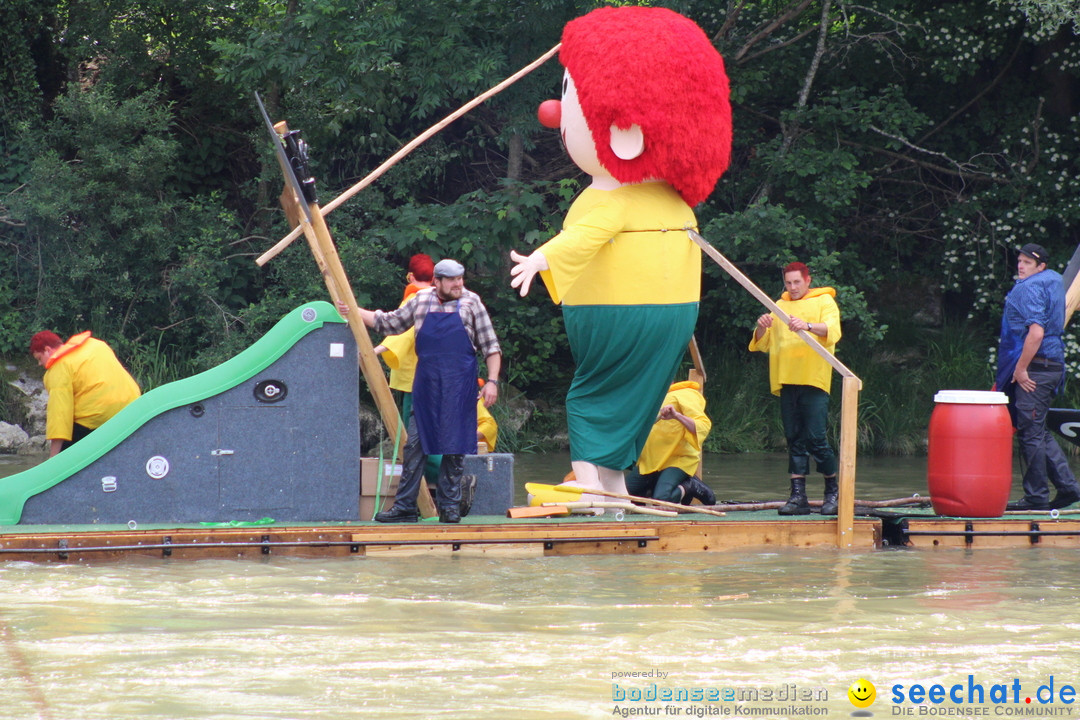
<point>626,246</point>
<point>486,425</point>
<point>86,384</point>
<point>791,360</point>
<point>670,444</point>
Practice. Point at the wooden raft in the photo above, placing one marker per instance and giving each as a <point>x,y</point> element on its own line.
<point>591,537</point>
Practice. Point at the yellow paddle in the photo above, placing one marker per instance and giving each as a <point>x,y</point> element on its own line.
<point>551,493</point>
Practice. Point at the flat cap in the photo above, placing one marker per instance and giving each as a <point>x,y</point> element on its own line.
<point>448,268</point>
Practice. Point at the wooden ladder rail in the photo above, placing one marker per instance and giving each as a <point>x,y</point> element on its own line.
<point>697,374</point>
<point>337,283</point>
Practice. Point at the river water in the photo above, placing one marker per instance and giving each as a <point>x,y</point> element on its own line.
<point>784,634</point>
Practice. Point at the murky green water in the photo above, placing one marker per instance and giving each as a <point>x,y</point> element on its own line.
<point>482,637</point>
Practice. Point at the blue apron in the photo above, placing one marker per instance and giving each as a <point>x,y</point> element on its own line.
<point>444,388</point>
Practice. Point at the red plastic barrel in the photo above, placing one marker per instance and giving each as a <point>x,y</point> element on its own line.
<point>969,469</point>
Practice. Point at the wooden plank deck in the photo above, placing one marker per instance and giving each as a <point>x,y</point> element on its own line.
<point>495,537</point>
<point>1005,532</point>
<point>487,536</point>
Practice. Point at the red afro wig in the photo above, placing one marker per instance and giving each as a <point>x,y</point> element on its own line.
<point>654,68</point>
<point>422,267</point>
<point>44,339</point>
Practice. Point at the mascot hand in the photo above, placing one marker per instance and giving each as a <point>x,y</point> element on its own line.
<point>526,269</point>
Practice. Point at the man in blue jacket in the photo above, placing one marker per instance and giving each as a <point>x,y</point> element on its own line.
<point>1031,371</point>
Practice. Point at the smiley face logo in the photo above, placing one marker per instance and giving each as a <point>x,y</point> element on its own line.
<point>862,693</point>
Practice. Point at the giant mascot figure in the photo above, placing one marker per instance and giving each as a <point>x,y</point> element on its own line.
<point>645,113</point>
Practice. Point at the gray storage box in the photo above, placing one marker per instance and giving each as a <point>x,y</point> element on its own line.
<point>494,482</point>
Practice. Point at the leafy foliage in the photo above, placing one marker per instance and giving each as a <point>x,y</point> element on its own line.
<point>902,148</point>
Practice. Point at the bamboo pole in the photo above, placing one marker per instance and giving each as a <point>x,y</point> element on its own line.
<point>337,283</point>
<point>849,408</point>
<point>412,145</point>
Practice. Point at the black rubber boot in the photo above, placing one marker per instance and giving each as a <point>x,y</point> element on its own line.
<point>398,514</point>
<point>832,493</point>
<point>797,504</point>
<point>694,488</point>
<point>468,493</point>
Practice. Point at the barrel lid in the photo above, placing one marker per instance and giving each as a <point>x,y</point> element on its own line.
<point>971,397</point>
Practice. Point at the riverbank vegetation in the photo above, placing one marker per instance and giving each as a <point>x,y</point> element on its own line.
<point>902,148</point>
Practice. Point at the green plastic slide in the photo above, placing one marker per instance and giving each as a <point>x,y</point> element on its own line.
<point>16,489</point>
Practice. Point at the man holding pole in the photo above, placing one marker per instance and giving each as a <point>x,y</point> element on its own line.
<point>1031,370</point>
<point>802,379</point>
<point>452,325</point>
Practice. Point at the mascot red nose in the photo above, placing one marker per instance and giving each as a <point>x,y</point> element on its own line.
<point>645,113</point>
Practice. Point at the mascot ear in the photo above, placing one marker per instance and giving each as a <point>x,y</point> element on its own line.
<point>627,144</point>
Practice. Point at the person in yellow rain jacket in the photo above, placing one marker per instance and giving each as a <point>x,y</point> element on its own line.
<point>399,351</point>
<point>87,385</point>
<point>667,468</point>
<point>802,379</point>
<point>487,430</point>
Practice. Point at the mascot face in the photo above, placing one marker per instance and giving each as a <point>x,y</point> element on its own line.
<point>646,89</point>
<point>578,140</point>
<point>575,133</point>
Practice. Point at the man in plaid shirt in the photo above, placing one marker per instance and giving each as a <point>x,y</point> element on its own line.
<point>452,325</point>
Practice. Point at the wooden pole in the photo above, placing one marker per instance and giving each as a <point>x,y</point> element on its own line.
<point>697,374</point>
<point>699,366</point>
<point>777,504</point>
<point>849,408</point>
<point>337,283</point>
<point>415,143</point>
<point>849,423</point>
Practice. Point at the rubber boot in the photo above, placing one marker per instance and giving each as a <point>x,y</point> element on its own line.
<point>832,493</point>
<point>797,504</point>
